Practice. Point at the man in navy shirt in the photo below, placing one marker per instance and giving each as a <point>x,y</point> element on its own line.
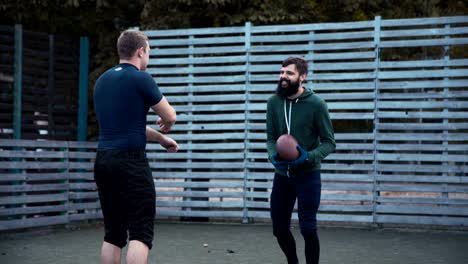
<point>122,98</point>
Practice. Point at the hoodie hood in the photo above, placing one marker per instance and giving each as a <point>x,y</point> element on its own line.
<point>307,92</point>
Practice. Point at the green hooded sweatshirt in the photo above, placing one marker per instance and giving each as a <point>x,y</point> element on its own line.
<point>310,124</point>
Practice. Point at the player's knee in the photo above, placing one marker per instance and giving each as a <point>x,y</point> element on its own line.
<point>308,223</point>
<point>280,232</point>
<point>145,240</point>
<point>309,231</point>
<point>119,240</point>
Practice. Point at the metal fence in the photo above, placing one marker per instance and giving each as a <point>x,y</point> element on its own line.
<point>40,84</point>
<point>397,94</point>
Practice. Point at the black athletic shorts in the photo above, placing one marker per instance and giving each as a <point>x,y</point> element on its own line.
<point>127,196</point>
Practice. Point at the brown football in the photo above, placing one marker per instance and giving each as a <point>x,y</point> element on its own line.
<point>286,146</point>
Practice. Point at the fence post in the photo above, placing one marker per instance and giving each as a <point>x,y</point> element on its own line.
<point>51,90</point>
<point>83,90</point>
<point>375,192</point>
<point>310,57</point>
<point>67,180</point>
<point>445,111</point>
<point>189,133</point>
<point>18,81</point>
<point>248,29</point>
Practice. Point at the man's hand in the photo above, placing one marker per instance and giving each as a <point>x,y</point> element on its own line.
<point>169,144</point>
<point>279,164</point>
<point>303,157</point>
<point>164,126</point>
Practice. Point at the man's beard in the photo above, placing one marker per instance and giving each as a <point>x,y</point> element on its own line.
<point>289,90</point>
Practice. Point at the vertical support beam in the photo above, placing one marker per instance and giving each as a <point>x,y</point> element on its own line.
<point>445,111</point>
<point>310,58</point>
<point>375,193</point>
<point>83,90</point>
<point>18,82</point>
<point>248,33</point>
<point>17,100</point>
<point>310,61</point>
<point>67,179</point>
<point>51,90</point>
<point>189,123</point>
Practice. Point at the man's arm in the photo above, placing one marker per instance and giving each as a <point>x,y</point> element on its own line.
<point>166,142</point>
<point>326,134</point>
<point>166,113</point>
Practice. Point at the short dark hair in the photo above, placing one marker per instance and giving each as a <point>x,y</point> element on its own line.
<point>301,64</point>
<point>128,43</point>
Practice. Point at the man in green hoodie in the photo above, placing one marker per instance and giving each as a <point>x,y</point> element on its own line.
<point>297,111</point>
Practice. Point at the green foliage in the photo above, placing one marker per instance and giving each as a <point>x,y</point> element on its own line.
<point>162,14</point>
<point>207,13</point>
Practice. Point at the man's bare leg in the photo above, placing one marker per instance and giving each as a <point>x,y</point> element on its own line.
<point>110,254</point>
<point>137,252</point>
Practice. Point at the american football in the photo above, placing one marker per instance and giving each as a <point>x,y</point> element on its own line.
<point>286,146</point>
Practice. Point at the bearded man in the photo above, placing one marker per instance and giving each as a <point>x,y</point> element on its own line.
<point>297,111</point>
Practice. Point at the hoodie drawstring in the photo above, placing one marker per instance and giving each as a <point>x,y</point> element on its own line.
<point>288,118</point>
<point>288,122</point>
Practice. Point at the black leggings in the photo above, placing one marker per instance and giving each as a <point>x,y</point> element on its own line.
<point>306,188</point>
